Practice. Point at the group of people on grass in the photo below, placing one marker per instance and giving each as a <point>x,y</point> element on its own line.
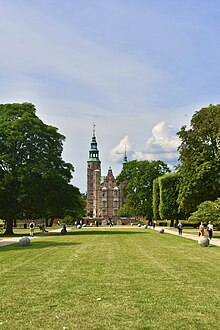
<point>201,229</point>
<point>179,226</point>
<point>32,227</point>
<point>209,229</point>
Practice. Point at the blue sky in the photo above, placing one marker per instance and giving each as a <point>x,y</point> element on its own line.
<point>139,69</point>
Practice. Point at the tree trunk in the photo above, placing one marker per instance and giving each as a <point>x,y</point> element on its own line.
<point>46,222</point>
<point>51,222</point>
<point>9,227</point>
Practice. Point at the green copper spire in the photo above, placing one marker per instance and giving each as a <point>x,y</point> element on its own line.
<point>93,151</point>
<point>125,158</point>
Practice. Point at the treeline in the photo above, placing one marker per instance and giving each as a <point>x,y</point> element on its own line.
<point>192,191</point>
<point>34,179</point>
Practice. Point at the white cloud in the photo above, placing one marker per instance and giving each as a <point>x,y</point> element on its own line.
<point>162,145</point>
<point>163,138</point>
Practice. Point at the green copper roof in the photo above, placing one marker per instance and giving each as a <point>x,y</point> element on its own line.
<point>93,151</point>
<point>93,160</point>
<point>125,158</point>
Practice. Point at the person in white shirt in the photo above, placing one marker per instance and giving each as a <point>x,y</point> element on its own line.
<point>180,228</point>
<point>32,226</point>
<point>210,229</point>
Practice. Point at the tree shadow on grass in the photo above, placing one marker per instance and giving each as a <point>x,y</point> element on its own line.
<point>82,232</point>
<point>3,235</point>
<point>35,245</point>
<point>75,232</point>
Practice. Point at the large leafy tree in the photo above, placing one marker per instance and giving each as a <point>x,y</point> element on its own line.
<point>30,163</point>
<point>138,177</point>
<point>57,199</point>
<point>207,211</point>
<point>200,159</point>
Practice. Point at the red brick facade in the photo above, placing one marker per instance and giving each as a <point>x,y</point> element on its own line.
<point>104,196</point>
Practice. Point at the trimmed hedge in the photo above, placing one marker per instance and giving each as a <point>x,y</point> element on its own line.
<point>168,185</point>
<point>156,198</point>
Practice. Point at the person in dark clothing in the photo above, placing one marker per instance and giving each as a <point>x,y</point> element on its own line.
<point>111,224</point>
<point>63,230</point>
<point>210,229</point>
<point>43,229</point>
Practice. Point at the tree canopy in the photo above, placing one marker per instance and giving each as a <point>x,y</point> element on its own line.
<point>207,211</point>
<point>137,177</point>
<point>33,176</point>
<point>200,159</point>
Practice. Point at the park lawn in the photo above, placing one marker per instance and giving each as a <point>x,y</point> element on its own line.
<point>110,278</point>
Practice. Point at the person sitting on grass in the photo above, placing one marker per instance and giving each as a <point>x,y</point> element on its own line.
<point>43,229</point>
<point>63,230</point>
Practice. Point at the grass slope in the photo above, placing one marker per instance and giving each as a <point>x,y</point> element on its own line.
<point>110,278</point>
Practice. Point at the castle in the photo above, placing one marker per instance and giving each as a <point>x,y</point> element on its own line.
<point>104,196</point>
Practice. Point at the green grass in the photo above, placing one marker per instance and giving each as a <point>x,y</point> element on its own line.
<point>110,278</point>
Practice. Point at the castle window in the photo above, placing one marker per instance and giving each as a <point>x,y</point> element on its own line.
<point>115,192</point>
<point>104,192</point>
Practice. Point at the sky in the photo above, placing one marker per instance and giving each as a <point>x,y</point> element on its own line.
<point>138,69</point>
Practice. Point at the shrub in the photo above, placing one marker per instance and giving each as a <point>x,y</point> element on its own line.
<point>207,211</point>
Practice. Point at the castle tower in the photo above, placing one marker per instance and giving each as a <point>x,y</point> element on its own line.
<point>93,178</point>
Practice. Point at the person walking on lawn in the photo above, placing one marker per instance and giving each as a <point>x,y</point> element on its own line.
<point>210,229</point>
<point>32,226</point>
<point>201,229</point>
<point>180,228</point>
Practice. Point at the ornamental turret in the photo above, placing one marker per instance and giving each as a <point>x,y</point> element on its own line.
<point>125,158</point>
<point>93,151</point>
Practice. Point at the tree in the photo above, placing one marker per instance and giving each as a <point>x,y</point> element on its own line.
<point>30,158</point>
<point>57,199</point>
<point>125,211</point>
<point>138,179</point>
<point>200,159</point>
<point>207,211</point>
